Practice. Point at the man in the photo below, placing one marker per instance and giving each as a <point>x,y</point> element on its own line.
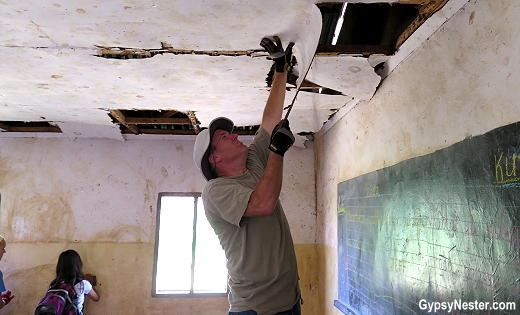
<point>242,206</point>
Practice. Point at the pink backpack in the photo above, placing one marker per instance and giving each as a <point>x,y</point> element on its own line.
<point>58,301</point>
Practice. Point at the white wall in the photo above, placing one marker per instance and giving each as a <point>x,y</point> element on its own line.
<point>461,82</point>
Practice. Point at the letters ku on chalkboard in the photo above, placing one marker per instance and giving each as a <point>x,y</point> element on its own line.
<point>435,228</point>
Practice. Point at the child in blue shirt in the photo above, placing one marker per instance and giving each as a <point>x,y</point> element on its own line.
<point>5,295</point>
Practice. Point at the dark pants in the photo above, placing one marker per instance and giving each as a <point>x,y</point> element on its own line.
<point>294,311</point>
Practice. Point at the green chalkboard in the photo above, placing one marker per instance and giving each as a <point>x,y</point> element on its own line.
<point>435,231</point>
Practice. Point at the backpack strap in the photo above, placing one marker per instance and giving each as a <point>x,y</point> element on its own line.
<point>59,296</point>
<point>62,291</point>
<point>71,295</point>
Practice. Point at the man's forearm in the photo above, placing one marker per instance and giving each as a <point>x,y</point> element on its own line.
<point>266,194</point>
<point>274,106</point>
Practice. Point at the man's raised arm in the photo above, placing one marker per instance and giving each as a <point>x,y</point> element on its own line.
<point>265,196</point>
<point>274,106</point>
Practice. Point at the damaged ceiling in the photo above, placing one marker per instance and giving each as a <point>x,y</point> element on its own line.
<point>109,69</point>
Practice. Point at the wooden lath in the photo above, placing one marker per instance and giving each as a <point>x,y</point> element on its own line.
<point>139,53</point>
<point>154,122</point>
<point>194,121</point>
<point>21,126</point>
<point>34,129</point>
<point>120,117</point>
<point>421,2</point>
<point>425,12</point>
<point>166,114</point>
<point>4,127</point>
<point>334,50</point>
<point>157,121</point>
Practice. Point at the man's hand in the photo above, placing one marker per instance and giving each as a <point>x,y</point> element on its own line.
<point>277,53</point>
<point>281,138</point>
<point>6,297</point>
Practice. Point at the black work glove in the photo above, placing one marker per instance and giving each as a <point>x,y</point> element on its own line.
<point>276,52</point>
<point>281,138</point>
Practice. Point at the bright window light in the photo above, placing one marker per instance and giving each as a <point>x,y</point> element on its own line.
<point>189,259</point>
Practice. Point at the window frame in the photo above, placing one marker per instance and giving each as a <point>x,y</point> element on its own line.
<point>191,294</point>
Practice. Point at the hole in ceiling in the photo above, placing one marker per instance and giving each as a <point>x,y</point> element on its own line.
<point>361,28</point>
<point>153,122</point>
<point>166,122</point>
<point>22,126</point>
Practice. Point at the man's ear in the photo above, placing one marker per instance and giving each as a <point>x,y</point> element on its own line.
<point>213,159</point>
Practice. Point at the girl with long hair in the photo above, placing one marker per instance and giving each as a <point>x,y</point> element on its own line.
<point>70,270</point>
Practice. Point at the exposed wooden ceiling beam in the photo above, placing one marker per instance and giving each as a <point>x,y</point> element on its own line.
<point>425,12</point>
<point>4,127</point>
<point>328,50</point>
<point>34,129</point>
<point>167,114</point>
<point>120,117</point>
<point>168,131</point>
<point>155,121</point>
<point>413,1</point>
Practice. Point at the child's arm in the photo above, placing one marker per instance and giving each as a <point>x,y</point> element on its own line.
<point>93,295</point>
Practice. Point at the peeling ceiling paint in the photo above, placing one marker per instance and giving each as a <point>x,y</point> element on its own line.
<point>52,69</point>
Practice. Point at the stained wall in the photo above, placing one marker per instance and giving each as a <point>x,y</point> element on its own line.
<point>99,197</point>
<point>462,82</point>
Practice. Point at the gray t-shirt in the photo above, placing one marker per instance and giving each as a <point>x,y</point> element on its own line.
<point>263,274</point>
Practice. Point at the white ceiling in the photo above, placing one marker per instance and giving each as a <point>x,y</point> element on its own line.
<point>50,69</point>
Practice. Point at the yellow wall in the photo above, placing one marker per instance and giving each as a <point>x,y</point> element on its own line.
<point>124,273</point>
<point>463,81</point>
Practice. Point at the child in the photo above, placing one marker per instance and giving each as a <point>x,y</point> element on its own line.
<point>5,295</point>
<point>70,270</point>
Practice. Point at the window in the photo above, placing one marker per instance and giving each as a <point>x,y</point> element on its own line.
<point>188,257</point>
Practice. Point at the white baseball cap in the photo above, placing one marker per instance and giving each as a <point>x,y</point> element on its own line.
<point>203,144</point>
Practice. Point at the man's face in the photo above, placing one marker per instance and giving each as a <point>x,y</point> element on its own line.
<point>227,145</point>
